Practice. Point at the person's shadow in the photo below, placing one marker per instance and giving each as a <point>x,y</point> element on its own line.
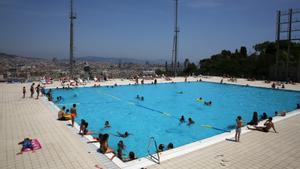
<point>227,139</point>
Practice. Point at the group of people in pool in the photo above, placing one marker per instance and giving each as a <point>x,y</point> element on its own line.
<point>207,103</point>
<point>102,138</point>
<point>141,98</point>
<point>104,147</point>
<point>190,120</point>
<point>161,147</point>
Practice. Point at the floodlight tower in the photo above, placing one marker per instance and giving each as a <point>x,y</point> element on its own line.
<point>175,41</point>
<point>72,17</point>
<point>291,26</point>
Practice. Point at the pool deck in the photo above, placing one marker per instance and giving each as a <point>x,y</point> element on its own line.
<point>63,148</point>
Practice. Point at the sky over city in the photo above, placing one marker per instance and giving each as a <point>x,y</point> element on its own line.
<point>141,29</point>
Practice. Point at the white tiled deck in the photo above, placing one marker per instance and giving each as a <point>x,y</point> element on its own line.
<point>62,148</point>
<point>256,150</point>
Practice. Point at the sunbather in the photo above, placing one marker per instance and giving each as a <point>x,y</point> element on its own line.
<point>267,126</point>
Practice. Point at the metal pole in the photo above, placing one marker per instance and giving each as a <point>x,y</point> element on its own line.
<point>176,38</point>
<point>72,17</point>
<point>289,42</point>
<point>173,55</point>
<point>277,41</point>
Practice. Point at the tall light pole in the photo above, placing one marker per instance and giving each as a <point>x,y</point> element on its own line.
<point>72,17</point>
<point>175,41</point>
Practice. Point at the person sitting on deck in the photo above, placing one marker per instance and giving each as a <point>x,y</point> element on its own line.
<point>254,120</point>
<point>120,149</point>
<point>104,148</point>
<point>97,140</point>
<point>62,115</point>
<point>131,156</point>
<point>83,127</point>
<point>267,126</point>
<point>190,122</point>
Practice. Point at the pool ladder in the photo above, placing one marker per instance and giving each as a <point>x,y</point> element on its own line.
<point>154,158</point>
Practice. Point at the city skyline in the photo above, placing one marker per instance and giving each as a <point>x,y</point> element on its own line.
<point>137,29</point>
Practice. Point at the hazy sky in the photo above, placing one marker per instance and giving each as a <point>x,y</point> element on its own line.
<point>136,28</point>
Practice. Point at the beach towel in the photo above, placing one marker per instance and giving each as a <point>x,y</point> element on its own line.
<point>35,144</point>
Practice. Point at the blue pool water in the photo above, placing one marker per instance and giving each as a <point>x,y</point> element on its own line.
<point>157,116</point>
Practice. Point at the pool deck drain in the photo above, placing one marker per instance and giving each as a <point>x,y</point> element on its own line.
<point>62,148</point>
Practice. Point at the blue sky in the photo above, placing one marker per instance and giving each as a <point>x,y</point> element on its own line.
<point>140,29</point>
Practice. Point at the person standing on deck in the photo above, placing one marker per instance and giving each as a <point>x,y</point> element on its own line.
<point>24,92</point>
<point>32,90</point>
<point>239,124</point>
<point>37,89</point>
<point>73,114</point>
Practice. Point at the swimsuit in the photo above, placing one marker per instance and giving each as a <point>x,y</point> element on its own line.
<point>265,129</point>
<point>27,144</point>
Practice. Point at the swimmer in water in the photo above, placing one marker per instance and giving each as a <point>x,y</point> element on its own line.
<point>106,124</point>
<point>160,148</point>
<point>208,103</point>
<point>126,134</point>
<point>182,120</point>
<point>200,99</point>
<point>190,122</point>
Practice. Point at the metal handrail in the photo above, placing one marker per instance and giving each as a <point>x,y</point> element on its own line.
<point>153,158</point>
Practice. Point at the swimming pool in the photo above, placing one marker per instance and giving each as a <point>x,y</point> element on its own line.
<point>158,115</point>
